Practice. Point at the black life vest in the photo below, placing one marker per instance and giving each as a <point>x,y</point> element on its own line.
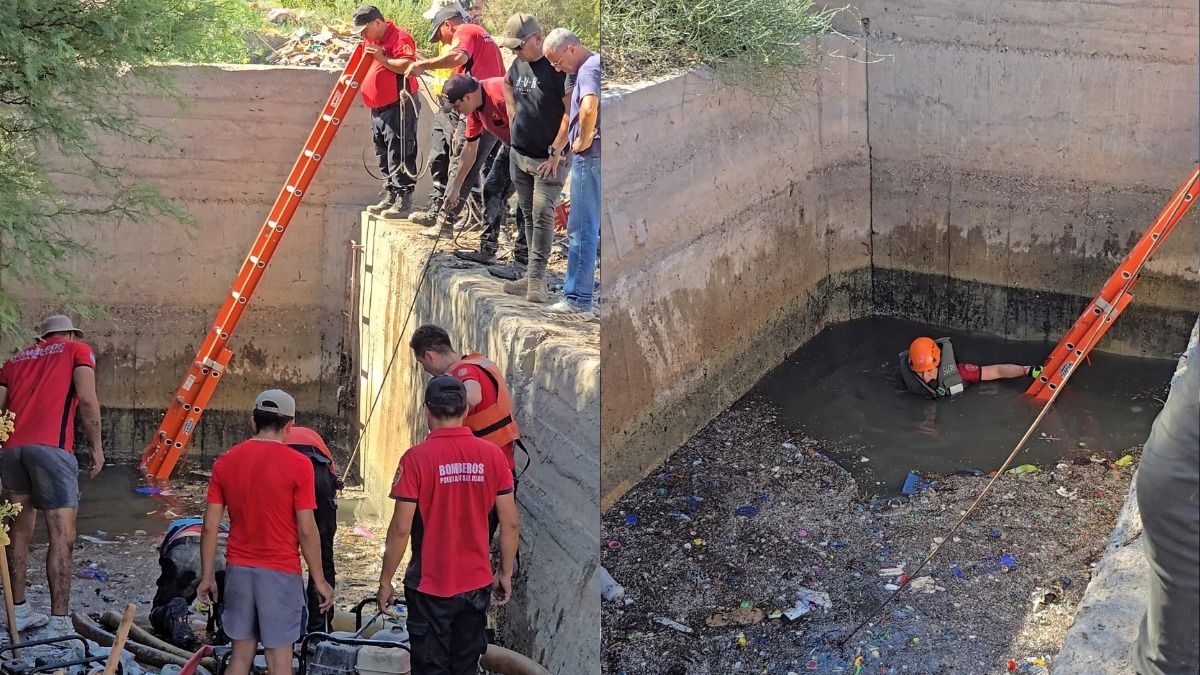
<point>948,382</point>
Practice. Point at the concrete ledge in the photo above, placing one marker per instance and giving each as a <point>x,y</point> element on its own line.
<point>1101,640</point>
<point>553,368</point>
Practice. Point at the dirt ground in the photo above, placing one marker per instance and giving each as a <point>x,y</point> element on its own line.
<point>744,516</point>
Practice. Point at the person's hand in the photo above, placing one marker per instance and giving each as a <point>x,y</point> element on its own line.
<point>385,596</point>
<point>452,201</point>
<point>325,592</point>
<point>97,461</point>
<point>549,167</point>
<point>206,592</point>
<point>501,589</point>
<point>377,52</point>
<point>414,69</point>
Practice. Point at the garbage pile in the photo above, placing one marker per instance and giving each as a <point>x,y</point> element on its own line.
<point>328,48</point>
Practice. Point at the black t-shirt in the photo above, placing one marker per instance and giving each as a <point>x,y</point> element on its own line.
<point>538,91</point>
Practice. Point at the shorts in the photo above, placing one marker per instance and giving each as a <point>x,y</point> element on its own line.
<point>264,605</point>
<point>49,475</point>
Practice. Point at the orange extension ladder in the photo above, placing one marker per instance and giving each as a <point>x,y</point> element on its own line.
<point>184,411</point>
<point>1116,294</point>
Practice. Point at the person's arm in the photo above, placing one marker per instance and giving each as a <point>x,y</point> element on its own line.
<point>84,379</point>
<point>398,532</point>
<point>310,548</point>
<point>1001,371</point>
<point>510,539</point>
<point>550,166</point>
<point>510,99</point>
<point>474,393</point>
<point>3,396</point>
<point>465,159</point>
<point>451,59</point>
<point>206,592</point>
<point>589,111</point>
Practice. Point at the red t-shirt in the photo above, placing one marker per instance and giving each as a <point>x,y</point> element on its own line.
<point>380,86</point>
<point>487,398</point>
<point>483,56</point>
<point>454,479</point>
<point>263,484</point>
<point>41,392</point>
<point>492,115</point>
<point>969,372</point>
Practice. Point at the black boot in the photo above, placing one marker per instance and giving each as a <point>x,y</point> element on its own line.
<point>429,216</point>
<point>401,207</point>
<point>389,198</point>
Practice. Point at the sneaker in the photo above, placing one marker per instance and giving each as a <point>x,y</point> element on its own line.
<point>481,257</point>
<point>400,208</point>
<point>509,272</point>
<point>26,618</point>
<point>517,286</point>
<point>537,290</point>
<point>384,204</point>
<point>60,626</point>
<point>565,309</point>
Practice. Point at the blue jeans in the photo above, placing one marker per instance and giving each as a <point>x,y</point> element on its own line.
<point>583,232</point>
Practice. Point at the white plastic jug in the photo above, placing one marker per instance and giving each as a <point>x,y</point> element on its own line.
<point>383,660</point>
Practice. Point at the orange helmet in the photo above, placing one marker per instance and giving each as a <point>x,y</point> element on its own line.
<point>923,354</point>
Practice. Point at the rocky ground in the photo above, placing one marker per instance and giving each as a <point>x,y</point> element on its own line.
<point>745,522</point>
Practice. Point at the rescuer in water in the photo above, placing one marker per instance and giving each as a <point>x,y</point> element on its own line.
<point>928,367</point>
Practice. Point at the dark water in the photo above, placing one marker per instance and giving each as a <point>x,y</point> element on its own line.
<point>843,389</point>
<point>110,505</point>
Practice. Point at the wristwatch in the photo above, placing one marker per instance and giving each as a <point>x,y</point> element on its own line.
<point>561,153</point>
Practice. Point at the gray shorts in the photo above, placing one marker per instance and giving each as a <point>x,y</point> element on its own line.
<point>49,475</point>
<point>264,605</point>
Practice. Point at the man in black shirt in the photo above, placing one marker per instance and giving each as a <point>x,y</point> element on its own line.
<point>536,94</point>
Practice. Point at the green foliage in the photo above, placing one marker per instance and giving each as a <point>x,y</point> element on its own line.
<point>582,17</point>
<point>750,39</point>
<point>403,13</point>
<point>64,81</point>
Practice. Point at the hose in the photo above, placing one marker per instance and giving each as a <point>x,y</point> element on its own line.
<point>147,655</point>
<point>111,619</point>
<point>507,662</point>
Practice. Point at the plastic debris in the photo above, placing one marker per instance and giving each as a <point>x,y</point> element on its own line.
<point>1124,461</point>
<point>149,490</point>
<point>631,519</point>
<point>96,540</point>
<point>670,623</point>
<point>914,484</point>
<point>989,565</point>
<point>361,531</point>
<point>91,572</point>
<point>818,598</point>
<point>1022,470</point>
<point>925,584</point>
<point>1067,494</point>
<point>802,533</point>
<point>892,571</point>
<point>746,510</point>
<point>741,639</point>
<point>613,543</point>
<point>680,515</point>
<point>793,613</point>
<point>864,460</point>
<point>609,588</point>
<point>995,534</point>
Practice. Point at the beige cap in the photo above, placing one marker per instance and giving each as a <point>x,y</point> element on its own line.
<point>438,5</point>
<point>517,30</point>
<point>276,401</point>
<point>58,323</point>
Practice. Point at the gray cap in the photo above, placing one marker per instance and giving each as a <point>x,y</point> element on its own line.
<point>443,15</point>
<point>57,323</point>
<point>276,401</point>
<point>518,29</point>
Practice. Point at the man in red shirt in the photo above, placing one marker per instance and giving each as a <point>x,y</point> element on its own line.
<point>448,485</point>
<point>43,385</point>
<point>268,489</point>
<point>472,52</point>
<point>394,107</point>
